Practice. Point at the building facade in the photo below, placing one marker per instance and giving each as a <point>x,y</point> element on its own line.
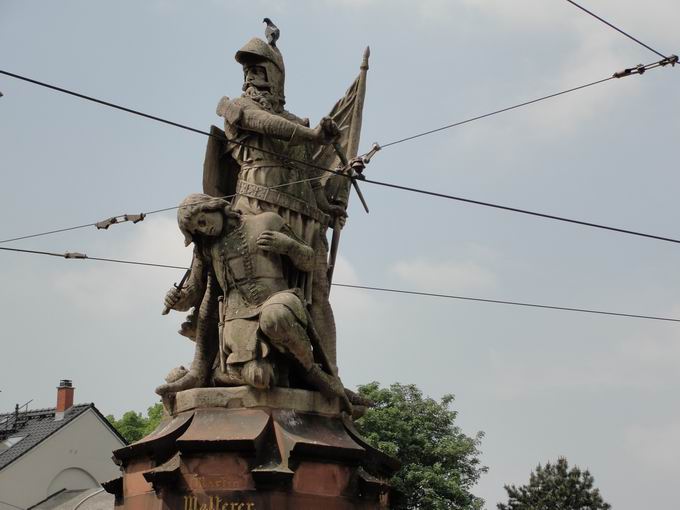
<point>47,451</point>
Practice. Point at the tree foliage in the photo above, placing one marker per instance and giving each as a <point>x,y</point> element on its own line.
<point>440,464</point>
<point>555,487</point>
<point>133,426</point>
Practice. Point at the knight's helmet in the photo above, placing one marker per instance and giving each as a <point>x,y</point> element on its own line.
<point>256,51</point>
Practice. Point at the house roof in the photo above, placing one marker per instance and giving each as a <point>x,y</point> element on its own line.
<point>36,425</point>
<point>86,499</point>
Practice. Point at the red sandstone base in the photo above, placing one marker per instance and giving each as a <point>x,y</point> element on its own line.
<point>252,459</point>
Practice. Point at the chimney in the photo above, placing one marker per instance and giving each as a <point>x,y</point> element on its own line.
<point>64,398</point>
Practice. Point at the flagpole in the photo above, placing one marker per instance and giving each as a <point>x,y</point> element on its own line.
<point>352,151</point>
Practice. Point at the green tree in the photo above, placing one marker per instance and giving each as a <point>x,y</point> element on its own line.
<point>133,426</point>
<point>440,464</point>
<point>555,487</point>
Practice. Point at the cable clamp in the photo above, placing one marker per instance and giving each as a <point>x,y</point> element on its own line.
<point>367,158</point>
<point>638,69</point>
<point>105,224</point>
<point>74,255</point>
<point>672,60</point>
<point>134,218</point>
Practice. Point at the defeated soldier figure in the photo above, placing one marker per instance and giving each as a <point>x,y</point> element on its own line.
<point>266,335</point>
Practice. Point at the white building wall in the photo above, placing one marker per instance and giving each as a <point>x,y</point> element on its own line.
<point>78,454</point>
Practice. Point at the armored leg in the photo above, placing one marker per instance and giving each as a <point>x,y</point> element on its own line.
<point>285,332</point>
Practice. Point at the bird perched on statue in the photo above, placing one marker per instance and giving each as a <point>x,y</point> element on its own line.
<point>272,32</point>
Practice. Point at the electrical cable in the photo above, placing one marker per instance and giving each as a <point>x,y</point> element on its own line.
<point>10,504</point>
<point>162,120</point>
<point>627,72</point>
<point>165,209</point>
<point>206,133</point>
<point>672,60</point>
<point>428,193</point>
<point>496,112</point>
<point>82,256</point>
<point>503,302</point>
<point>524,211</point>
<point>616,28</point>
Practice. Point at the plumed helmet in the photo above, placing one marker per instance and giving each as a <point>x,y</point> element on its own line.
<point>257,51</point>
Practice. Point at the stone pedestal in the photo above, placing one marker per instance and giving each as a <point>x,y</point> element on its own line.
<point>243,449</point>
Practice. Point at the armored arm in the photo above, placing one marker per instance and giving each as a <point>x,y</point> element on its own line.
<point>299,252</point>
<point>247,117</point>
<point>285,242</point>
<point>193,289</point>
<point>206,344</point>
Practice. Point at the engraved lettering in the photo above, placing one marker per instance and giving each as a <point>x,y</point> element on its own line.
<point>216,503</point>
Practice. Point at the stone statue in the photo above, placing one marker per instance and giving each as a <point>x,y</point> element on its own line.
<point>258,160</point>
<point>266,333</point>
<point>260,419</point>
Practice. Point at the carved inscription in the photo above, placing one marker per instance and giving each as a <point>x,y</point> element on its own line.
<point>218,482</point>
<point>215,503</point>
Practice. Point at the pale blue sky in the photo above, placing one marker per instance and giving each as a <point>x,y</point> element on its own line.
<point>601,391</point>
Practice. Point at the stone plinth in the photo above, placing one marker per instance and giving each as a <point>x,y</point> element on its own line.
<point>243,449</point>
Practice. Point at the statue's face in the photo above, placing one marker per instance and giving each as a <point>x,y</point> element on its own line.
<point>207,223</point>
<point>256,76</point>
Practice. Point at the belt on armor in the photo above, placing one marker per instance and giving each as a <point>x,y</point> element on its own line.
<point>264,164</point>
<point>276,197</point>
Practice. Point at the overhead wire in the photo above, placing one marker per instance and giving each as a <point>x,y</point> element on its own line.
<point>496,112</point>
<point>156,211</point>
<point>431,193</point>
<point>82,256</point>
<point>637,70</point>
<point>672,60</point>
<point>504,302</point>
<point>162,120</point>
<point>616,28</point>
<point>526,212</point>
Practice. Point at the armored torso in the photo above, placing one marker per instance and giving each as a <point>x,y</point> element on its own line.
<point>247,274</point>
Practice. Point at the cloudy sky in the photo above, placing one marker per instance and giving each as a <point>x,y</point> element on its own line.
<point>602,391</point>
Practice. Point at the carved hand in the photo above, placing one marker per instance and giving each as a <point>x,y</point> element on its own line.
<point>171,298</point>
<point>339,213</point>
<point>191,379</point>
<point>273,241</point>
<point>327,131</point>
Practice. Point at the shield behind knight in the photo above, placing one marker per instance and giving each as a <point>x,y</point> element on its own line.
<point>220,169</point>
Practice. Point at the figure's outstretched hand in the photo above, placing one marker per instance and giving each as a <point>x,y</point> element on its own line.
<point>327,131</point>
<point>171,298</point>
<point>186,380</point>
<point>339,213</point>
<point>273,241</point>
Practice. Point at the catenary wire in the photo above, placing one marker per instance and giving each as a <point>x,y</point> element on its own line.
<point>13,506</point>
<point>525,211</point>
<point>165,121</point>
<point>503,302</point>
<point>376,289</point>
<point>638,70</point>
<point>370,181</point>
<point>616,28</point>
<point>419,191</point>
<point>496,112</point>
<point>312,165</point>
<point>165,209</point>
